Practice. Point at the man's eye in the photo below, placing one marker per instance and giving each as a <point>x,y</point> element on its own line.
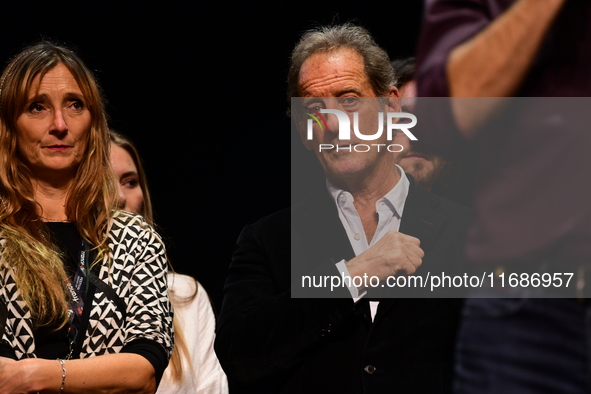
<point>315,107</point>
<point>350,100</point>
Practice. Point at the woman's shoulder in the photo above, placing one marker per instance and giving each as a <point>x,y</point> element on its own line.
<point>122,219</point>
<point>135,223</point>
<point>133,231</point>
<point>187,293</point>
<point>184,286</point>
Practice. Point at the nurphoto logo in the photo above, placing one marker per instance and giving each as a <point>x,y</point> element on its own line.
<point>316,116</point>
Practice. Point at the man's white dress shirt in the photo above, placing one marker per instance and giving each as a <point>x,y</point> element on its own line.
<point>389,209</point>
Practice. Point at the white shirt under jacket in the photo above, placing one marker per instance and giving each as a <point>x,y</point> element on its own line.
<point>389,209</point>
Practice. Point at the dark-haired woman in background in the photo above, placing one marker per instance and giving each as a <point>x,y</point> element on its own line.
<point>194,367</point>
<point>83,294</point>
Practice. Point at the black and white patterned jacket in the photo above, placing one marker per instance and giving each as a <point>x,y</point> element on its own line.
<point>130,295</point>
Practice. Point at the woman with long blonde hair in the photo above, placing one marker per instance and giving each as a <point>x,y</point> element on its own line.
<point>194,367</point>
<point>83,294</point>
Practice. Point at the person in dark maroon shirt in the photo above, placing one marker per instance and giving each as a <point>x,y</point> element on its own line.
<point>531,196</point>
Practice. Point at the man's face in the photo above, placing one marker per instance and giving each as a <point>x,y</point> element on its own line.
<point>337,80</point>
<point>423,167</point>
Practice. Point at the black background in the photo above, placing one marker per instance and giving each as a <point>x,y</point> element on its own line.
<point>200,89</point>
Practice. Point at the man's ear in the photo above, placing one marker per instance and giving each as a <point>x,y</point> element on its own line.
<point>394,100</point>
<point>302,131</point>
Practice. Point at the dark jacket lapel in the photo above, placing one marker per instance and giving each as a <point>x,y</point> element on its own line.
<point>420,219</point>
<point>319,228</point>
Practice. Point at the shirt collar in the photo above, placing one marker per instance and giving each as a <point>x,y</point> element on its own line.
<point>395,198</point>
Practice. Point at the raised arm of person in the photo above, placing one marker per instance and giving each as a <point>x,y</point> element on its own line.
<point>479,57</point>
<point>494,62</point>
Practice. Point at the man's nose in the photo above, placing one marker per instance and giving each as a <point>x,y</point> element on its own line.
<point>59,125</point>
<point>332,123</point>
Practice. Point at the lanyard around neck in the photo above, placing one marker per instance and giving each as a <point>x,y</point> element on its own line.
<point>78,288</point>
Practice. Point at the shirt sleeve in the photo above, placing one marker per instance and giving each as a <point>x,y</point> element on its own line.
<point>446,24</point>
<point>149,313</point>
<point>342,267</point>
<point>152,351</point>
<point>7,351</point>
<point>136,274</point>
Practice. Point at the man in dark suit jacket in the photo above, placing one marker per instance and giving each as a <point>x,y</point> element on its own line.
<point>268,341</point>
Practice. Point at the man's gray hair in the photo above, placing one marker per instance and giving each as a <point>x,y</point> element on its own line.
<point>330,38</point>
